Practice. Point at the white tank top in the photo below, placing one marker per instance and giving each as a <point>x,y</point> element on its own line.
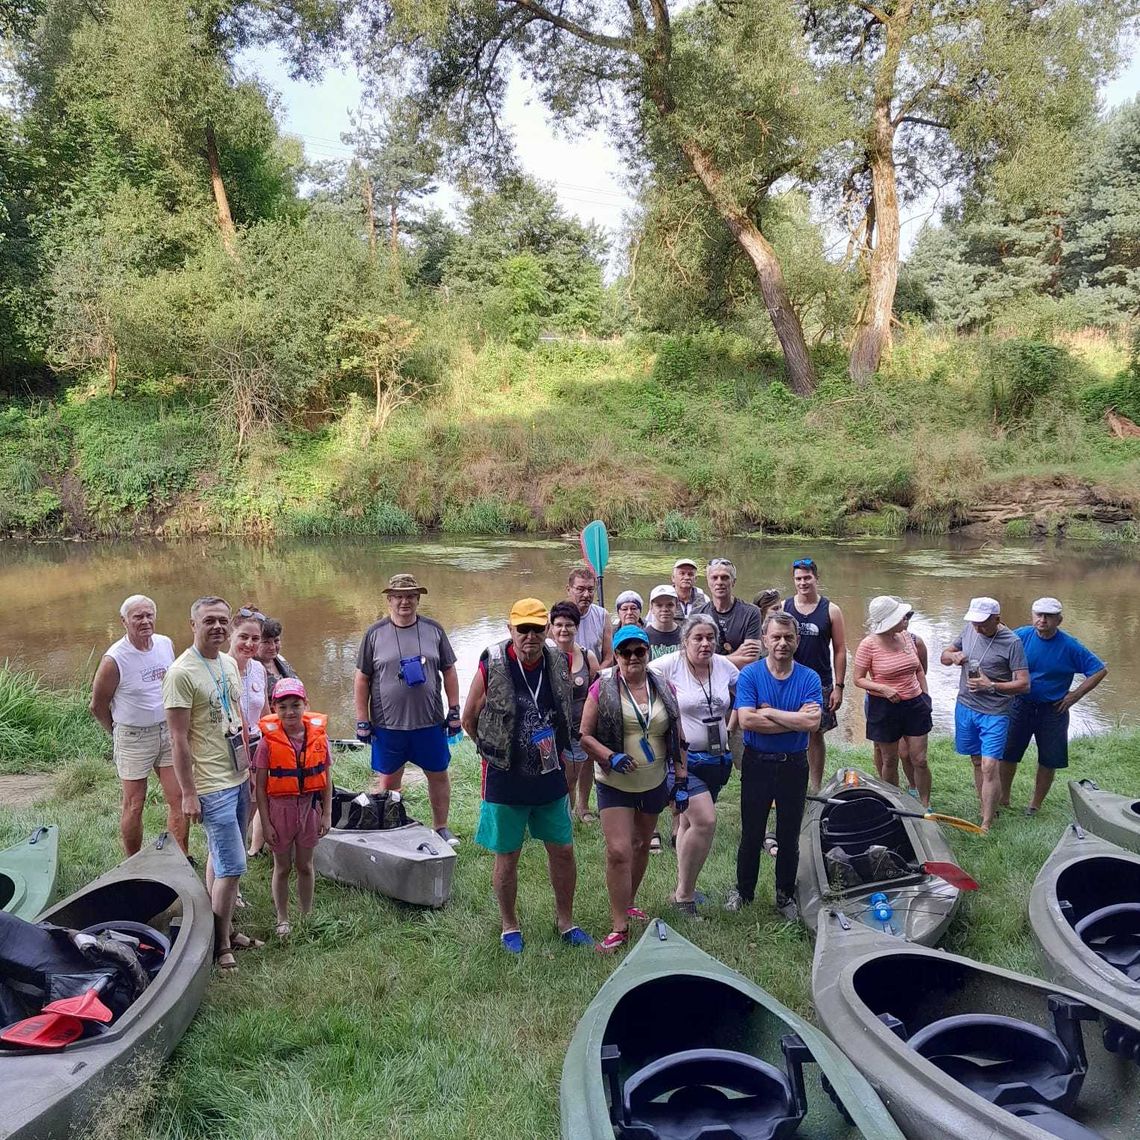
<point>138,699</point>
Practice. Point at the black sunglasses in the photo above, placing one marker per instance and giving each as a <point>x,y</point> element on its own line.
<point>804,564</point>
<point>524,629</point>
<point>633,651</point>
<point>246,612</point>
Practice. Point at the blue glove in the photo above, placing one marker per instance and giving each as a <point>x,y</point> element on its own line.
<point>622,763</point>
<point>364,731</point>
<point>681,793</point>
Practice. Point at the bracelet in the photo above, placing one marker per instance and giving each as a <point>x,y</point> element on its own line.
<point>839,686</point>
<point>363,724</point>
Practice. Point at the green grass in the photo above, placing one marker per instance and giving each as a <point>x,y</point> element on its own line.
<point>386,1020</point>
<point>39,728</point>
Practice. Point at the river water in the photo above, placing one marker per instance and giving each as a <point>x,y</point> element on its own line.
<point>59,608</point>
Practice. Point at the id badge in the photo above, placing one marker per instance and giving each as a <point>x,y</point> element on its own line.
<point>543,740</point>
<point>647,751</point>
<point>238,753</point>
<point>714,725</point>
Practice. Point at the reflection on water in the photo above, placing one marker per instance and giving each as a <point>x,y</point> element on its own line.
<point>61,599</point>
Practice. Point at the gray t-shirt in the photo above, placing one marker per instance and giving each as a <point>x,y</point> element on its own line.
<point>395,704</point>
<point>999,658</point>
<point>591,628</point>
<point>741,623</point>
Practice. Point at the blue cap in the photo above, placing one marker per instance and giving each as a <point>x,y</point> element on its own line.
<point>630,633</point>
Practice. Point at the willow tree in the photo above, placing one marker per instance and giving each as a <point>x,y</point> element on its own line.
<point>981,92</point>
<point>724,87</point>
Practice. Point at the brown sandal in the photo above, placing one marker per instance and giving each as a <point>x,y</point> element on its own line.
<point>226,963</point>
<point>244,942</point>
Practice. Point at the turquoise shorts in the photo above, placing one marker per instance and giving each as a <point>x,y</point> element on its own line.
<point>503,827</point>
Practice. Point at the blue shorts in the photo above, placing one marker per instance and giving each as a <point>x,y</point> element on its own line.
<point>224,817</point>
<point>706,776</point>
<point>979,734</point>
<point>1040,721</point>
<point>392,748</point>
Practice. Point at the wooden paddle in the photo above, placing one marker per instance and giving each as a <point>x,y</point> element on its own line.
<point>933,816</point>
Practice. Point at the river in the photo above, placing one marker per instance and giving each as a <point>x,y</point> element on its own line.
<point>61,599</point>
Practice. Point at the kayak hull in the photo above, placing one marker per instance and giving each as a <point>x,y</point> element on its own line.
<point>1083,875</point>
<point>923,905</point>
<point>638,1010</point>
<point>411,864</point>
<point>27,873</point>
<point>858,975</point>
<point>1112,817</point>
<point>50,1096</point>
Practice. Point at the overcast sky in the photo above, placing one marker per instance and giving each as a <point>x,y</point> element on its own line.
<point>584,169</point>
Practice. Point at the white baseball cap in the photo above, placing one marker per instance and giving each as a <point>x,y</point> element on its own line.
<point>1047,606</point>
<point>982,608</point>
<point>664,591</point>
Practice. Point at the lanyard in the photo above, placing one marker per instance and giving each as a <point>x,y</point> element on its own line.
<point>706,693</point>
<point>419,644</point>
<point>644,721</point>
<point>537,688</point>
<point>220,685</point>
<point>989,645</point>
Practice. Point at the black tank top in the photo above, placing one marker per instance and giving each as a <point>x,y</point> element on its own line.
<point>814,649</point>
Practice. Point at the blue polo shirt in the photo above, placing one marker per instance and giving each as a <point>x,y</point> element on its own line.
<point>756,686</point>
<point>1054,662</point>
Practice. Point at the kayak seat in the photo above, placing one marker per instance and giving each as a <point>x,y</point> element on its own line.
<point>1113,934</point>
<point>715,1094</point>
<point>1053,1122</point>
<point>1008,1061</point>
<point>860,822</point>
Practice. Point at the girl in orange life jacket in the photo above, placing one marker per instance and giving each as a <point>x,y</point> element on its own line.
<point>293,785</point>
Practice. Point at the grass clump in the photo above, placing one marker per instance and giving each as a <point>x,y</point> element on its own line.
<point>39,728</point>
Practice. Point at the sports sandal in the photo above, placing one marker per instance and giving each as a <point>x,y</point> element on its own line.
<point>770,845</point>
<point>615,940</point>
<point>655,844</point>
<point>284,929</point>
<point>226,963</point>
<point>636,914</point>
<point>244,942</point>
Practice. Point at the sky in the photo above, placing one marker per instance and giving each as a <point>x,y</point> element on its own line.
<point>584,168</point>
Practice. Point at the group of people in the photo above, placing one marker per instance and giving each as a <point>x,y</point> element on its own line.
<point>648,712</point>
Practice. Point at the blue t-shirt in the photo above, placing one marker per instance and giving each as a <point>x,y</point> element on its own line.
<point>756,686</point>
<point>1053,662</point>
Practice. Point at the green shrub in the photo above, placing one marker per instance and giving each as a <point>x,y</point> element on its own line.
<point>675,527</point>
<point>484,516</point>
<point>381,518</point>
<point>1018,528</point>
<point>1022,373</point>
<point>677,364</point>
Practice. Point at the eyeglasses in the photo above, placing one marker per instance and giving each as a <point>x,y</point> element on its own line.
<point>246,612</point>
<point>525,629</point>
<point>638,651</point>
<point>804,564</point>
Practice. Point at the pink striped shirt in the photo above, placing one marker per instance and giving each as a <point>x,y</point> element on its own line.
<point>894,665</point>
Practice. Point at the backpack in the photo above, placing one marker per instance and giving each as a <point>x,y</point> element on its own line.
<point>379,812</point>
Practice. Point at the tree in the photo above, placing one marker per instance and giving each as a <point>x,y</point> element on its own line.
<point>725,88</point>
<point>376,345</point>
<point>985,91</point>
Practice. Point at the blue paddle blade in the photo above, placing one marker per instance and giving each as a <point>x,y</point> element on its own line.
<point>596,545</point>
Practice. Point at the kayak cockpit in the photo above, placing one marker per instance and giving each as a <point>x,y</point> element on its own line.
<point>729,1068</point>
<point>1099,897</point>
<point>136,900</point>
<point>11,891</point>
<point>864,844</point>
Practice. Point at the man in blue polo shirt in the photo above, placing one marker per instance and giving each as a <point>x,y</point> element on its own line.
<point>778,702</point>
<point>1042,714</point>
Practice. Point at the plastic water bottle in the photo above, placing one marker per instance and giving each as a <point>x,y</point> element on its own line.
<point>881,909</point>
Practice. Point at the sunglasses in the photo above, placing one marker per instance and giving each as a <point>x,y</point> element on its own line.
<point>528,628</point>
<point>721,562</point>
<point>246,612</point>
<point>640,651</point>
<point>804,564</point>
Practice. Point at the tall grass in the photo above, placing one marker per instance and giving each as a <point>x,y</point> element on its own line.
<point>382,1019</point>
<point>40,728</point>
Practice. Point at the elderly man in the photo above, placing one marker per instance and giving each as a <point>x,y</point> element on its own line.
<point>992,660</point>
<point>778,703</point>
<point>1054,659</point>
<point>126,699</point>
<point>519,714</point>
<point>595,632</point>
<point>402,661</point>
<point>202,695</point>
<point>737,620</point>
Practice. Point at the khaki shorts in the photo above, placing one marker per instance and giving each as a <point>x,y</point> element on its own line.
<point>138,751</point>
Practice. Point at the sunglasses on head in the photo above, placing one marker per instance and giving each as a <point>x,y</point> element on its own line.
<point>529,628</point>
<point>246,612</point>
<point>804,564</point>
<point>633,651</point>
<point>721,562</point>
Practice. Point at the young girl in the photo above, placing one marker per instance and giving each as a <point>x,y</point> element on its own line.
<point>294,792</point>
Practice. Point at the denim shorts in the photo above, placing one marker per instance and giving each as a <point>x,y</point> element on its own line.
<point>1040,721</point>
<point>224,816</point>
<point>979,734</point>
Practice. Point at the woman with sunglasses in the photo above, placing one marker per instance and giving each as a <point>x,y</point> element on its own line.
<point>705,684</point>
<point>631,729</point>
<point>245,648</point>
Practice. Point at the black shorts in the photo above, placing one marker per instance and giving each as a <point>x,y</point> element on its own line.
<point>889,721</point>
<point>651,802</point>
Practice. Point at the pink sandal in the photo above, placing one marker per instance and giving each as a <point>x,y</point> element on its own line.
<point>615,940</point>
<point>636,914</point>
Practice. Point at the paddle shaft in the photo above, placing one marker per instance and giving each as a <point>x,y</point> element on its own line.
<point>933,816</point>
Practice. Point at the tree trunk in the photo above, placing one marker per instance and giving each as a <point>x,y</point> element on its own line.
<point>221,200</point>
<point>785,320</point>
<point>369,215</point>
<point>873,336</point>
<point>379,392</point>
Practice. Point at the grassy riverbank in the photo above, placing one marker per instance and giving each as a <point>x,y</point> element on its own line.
<point>661,437</point>
<point>384,1020</point>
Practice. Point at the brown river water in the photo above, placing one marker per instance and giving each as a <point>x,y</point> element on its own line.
<point>60,601</point>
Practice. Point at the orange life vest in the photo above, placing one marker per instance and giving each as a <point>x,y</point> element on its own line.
<point>290,774</point>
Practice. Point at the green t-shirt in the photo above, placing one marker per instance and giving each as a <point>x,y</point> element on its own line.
<point>211,690</point>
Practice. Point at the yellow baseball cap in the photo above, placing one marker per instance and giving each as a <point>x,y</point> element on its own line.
<point>529,611</point>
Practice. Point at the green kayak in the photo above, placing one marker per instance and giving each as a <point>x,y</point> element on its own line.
<point>676,1046</point>
<point>1112,817</point>
<point>27,873</point>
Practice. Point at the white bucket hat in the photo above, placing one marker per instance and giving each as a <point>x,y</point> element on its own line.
<point>885,612</point>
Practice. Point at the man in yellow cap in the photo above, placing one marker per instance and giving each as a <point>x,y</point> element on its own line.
<point>518,712</point>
